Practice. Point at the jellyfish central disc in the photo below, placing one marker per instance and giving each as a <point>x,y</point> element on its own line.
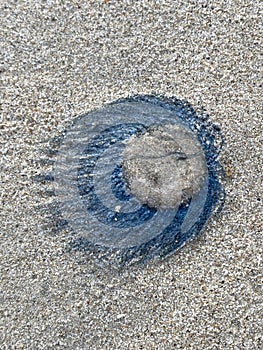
<point>164,166</point>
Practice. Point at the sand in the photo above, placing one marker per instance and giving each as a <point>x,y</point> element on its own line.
<point>60,59</point>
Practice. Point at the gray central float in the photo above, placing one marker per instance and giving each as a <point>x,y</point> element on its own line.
<point>161,164</point>
<point>164,166</point>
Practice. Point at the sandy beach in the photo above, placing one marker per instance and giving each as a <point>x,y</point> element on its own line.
<point>60,59</point>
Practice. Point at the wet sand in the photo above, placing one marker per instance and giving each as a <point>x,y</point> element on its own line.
<point>62,59</point>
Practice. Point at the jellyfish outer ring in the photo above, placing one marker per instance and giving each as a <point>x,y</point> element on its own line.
<point>79,204</point>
